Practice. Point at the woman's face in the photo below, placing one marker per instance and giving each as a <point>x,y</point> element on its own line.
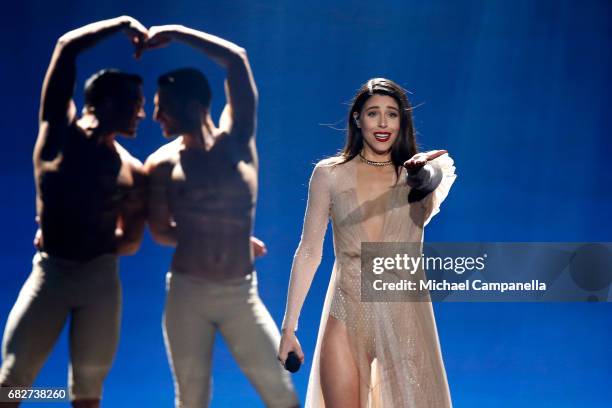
<point>380,123</point>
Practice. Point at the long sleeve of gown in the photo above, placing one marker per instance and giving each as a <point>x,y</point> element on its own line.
<point>445,167</point>
<point>308,255</point>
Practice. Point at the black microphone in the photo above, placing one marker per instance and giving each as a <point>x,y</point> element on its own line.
<point>292,363</point>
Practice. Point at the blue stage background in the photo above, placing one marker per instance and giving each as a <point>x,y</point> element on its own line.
<point>518,92</point>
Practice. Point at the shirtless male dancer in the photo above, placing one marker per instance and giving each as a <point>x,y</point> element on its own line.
<point>90,206</point>
<point>203,188</point>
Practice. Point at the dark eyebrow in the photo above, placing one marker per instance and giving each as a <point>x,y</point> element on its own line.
<point>378,107</point>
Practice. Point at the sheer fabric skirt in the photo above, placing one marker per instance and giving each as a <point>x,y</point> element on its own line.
<point>395,347</point>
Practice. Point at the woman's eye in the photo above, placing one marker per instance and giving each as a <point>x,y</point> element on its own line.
<point>393,115</point>
<point>371,114</point>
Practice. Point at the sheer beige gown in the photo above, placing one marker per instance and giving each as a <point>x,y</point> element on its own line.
<point>395,344</point>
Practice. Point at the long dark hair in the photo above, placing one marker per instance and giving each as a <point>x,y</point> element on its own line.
<point>405,145</point>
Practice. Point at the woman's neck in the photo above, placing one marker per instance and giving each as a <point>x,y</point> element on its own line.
<point>371,155</point>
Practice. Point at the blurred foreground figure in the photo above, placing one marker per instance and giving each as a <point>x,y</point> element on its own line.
<point>202,201</point>
<point>90,206</point>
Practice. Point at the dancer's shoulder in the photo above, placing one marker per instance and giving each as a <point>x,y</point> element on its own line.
<point>166,154</point>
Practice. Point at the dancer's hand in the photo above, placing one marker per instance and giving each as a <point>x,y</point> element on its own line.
<point>137,33</point>
<point>416,162</point>
<point>160,36</point>
<point>38,240</point>
<point>38,237</point>
<point>259,247</point>
<point>288,343</point>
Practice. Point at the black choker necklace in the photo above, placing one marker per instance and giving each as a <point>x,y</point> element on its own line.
<point>375,163</point>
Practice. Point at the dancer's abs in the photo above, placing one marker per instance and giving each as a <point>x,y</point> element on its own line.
<point>214,248</point>
<point>214,223</point>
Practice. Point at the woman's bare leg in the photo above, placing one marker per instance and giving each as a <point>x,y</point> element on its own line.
<point>338,370</point>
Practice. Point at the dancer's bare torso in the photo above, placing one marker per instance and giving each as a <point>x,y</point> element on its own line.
<point>82,192</point>
<point>211,196</point>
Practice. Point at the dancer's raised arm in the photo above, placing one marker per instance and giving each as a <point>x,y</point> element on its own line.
<point>57,108</point>
<point>239,116</point>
